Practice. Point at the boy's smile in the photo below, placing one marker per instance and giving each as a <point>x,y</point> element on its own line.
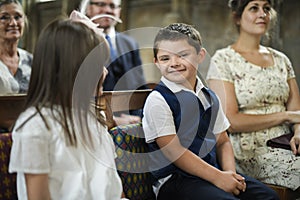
<point>178,62</point>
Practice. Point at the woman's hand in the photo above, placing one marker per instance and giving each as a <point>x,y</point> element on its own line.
<point>295,141</point>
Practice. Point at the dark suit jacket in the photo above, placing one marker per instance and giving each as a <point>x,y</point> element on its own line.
<point>125,72</point>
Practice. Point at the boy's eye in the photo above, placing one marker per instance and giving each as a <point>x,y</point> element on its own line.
<point>164,58</point>
<point>183,55</point>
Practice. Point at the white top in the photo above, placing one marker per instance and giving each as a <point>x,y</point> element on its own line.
<point>74,172</point>
<point>158,118</point>
<point>8,82</point>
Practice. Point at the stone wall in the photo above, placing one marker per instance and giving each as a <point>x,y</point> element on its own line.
<point>212,19</point>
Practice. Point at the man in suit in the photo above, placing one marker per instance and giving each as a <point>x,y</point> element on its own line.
<point>125,69</point>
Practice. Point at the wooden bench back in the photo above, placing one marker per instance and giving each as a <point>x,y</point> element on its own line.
<point>117,101</point>
<point>110,101</point>
<point>10,108</point>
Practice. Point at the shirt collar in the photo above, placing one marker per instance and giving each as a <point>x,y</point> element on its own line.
<point>174,87</point>
<point>111,32</point>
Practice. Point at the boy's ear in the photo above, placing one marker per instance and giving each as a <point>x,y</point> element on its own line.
<point>202,54</point>
<point>155,62</point>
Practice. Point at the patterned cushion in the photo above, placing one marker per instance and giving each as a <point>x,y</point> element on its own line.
<point>8,189</point>
<point>129,139</point>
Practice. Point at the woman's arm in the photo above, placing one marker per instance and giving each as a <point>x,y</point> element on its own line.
<point>37,186</point>
<point>246,122</point>
<point>192,164</point>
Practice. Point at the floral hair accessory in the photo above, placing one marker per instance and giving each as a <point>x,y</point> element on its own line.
<point>79,17</point>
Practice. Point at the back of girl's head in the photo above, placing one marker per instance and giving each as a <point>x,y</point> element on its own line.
<point>61,74</point>
<point>60,50</point>
<point>175,32</point>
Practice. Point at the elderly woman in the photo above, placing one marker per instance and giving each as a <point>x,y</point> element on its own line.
<point>15,63</point>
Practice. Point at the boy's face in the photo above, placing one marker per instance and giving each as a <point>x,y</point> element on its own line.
<point>178,62</point>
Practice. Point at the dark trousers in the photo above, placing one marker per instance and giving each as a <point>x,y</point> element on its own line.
<point>180,187</point>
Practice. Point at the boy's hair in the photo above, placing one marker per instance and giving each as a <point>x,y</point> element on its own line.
<point>60,52</point>
<point>178,31</point>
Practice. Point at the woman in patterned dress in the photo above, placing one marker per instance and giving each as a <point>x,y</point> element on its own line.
<point>260,96</point>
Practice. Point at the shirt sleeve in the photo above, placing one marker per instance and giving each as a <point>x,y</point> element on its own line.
<point>219,67</point>
<point>290,70</point>
<point>30,148</point>
<point>158,118</point>
<point>222,123</point>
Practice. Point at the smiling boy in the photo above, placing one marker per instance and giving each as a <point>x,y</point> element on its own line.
<point>191,154</point>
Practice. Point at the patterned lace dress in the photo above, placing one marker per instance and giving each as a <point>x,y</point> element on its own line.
<point>18,83</point>
<point>259,91</point>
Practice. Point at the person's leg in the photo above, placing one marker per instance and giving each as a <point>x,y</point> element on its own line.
<point>257,190</point>
<point>191,188</point>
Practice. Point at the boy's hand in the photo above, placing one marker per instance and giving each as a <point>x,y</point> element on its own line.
<point>231,182</point>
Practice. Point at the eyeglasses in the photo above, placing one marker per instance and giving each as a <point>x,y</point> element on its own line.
<point>103,4</point>
<point>6,19</point>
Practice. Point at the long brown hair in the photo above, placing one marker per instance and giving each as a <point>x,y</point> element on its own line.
<point>67,64</point>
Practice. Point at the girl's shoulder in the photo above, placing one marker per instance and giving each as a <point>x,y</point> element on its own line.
<point>31,124</point>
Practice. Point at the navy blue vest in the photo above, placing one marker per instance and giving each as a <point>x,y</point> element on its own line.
<point>194,127</point>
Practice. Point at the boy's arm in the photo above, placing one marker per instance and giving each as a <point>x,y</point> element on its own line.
<point>192,164</point>
<point>225,152</point>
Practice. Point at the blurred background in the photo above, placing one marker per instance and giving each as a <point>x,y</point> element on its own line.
<point>210,17</point>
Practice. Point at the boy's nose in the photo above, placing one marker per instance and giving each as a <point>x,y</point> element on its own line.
<point>175,61</point>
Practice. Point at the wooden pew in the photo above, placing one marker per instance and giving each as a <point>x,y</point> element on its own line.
<point>110,101</point>
<point>12,105</point>
<point>10,108</point>
<point>117,101</point>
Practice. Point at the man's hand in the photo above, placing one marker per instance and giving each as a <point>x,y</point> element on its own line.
<point>125,119</point>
